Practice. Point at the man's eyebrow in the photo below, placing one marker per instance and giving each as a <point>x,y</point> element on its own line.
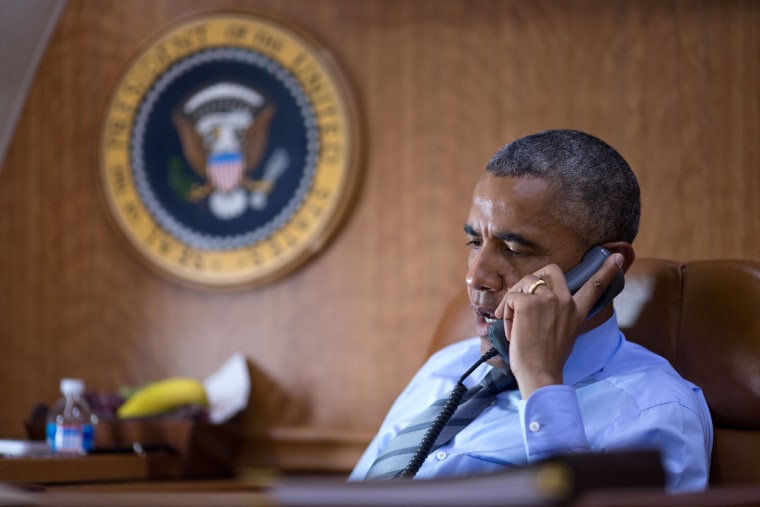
<point>511,237</point>
<point>507,237</point>
<point>470,230</point>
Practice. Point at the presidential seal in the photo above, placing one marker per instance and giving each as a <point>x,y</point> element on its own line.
<point>229,150</point>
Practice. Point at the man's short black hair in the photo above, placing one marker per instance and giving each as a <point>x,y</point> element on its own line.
<point>594,189</point>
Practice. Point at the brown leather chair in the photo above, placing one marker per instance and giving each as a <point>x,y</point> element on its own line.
<point>704,317</point>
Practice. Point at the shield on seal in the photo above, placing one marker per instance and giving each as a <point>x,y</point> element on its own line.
<point>225,170</point>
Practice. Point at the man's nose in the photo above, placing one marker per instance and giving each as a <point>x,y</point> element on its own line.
<point>484,271</point>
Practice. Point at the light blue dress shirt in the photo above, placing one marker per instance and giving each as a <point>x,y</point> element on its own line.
<point>616,395</point>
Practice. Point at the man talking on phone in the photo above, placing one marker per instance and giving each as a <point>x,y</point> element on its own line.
<point>566,380</point>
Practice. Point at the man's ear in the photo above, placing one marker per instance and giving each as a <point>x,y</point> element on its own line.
<point>623,248</point>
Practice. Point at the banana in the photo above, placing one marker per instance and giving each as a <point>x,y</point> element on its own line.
<point>163,396</point>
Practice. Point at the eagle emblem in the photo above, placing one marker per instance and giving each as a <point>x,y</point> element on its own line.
<point>224,130</point>
<point>229,151</point>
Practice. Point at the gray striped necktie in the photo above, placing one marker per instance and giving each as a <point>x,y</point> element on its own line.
<point>402,447</point>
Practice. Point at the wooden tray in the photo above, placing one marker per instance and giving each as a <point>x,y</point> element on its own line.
<point>204,450</point>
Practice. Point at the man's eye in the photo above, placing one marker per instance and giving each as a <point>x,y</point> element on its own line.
<point>474,243</point>
<point>515,253</point>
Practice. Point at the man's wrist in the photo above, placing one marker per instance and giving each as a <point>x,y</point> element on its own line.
<point>531,383</point>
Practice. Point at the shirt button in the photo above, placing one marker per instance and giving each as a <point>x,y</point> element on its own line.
<point>441,455</point>
<point>534,426</point>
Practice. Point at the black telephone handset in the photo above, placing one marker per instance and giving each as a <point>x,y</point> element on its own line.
<point>576,277</point>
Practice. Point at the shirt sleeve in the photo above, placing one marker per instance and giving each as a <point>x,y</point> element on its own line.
<point>682,435</point>
<point>552,423</point>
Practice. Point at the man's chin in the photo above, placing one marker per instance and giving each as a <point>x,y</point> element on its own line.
<point>497,362</point>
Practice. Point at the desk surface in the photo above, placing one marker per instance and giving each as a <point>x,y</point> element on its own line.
<point>121,480</point>
<point>187,495</point>
<point>266,489</point>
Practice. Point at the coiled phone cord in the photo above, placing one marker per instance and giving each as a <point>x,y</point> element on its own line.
<point>441,420</point>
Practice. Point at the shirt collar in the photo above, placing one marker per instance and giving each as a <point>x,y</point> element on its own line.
<point>592,351</point>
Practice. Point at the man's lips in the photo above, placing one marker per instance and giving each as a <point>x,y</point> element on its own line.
<point>483,318</point>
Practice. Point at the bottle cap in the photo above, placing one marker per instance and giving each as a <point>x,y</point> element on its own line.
<point>72,386</point>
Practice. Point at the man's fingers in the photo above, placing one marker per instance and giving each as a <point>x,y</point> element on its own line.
<point>544,278</point>
<point>592,290</point>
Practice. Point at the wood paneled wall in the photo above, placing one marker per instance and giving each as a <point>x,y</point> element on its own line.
<point>441,86</point>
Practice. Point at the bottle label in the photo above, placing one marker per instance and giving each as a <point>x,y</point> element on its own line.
<point>70,438</point>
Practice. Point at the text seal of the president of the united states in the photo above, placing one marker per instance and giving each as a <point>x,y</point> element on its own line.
<point>229,151</point>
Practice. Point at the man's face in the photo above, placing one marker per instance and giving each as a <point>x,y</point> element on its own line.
<point>512,231</point>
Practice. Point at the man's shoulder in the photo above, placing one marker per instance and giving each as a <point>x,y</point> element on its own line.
<point>649,379</point>
<point>452,360</point>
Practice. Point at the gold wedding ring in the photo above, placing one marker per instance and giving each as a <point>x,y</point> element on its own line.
<point>536,286</point>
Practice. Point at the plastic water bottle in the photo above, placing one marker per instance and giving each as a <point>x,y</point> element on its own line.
<point>70,422</point>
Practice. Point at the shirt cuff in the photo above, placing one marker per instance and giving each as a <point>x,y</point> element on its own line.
<point>551,422</point>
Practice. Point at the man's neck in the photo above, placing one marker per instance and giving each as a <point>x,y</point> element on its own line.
<point>597,320</point>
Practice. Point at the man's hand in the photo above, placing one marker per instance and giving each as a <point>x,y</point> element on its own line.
<point>542,326</point>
